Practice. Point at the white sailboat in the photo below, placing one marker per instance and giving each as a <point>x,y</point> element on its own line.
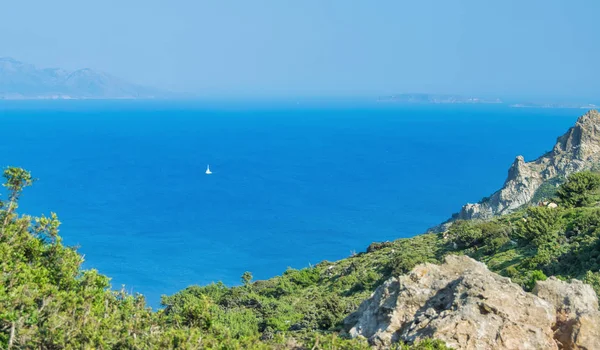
<point>208,172</point>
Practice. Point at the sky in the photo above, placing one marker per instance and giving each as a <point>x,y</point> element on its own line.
<point>533,48</point>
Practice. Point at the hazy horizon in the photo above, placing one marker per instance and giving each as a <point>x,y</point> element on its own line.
<point>541,50</point>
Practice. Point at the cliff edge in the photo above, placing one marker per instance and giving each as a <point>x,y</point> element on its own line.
<point>577,150</point>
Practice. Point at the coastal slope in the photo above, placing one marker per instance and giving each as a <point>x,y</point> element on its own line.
<point>417,293</point>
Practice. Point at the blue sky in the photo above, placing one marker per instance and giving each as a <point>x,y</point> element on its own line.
<point>533,48</point>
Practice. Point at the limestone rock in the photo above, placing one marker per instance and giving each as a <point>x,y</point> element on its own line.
<point>578,320</point>
<point>577,150</point>
<point>572,298</point>
<point>460,302</point>
<point>585,333</point>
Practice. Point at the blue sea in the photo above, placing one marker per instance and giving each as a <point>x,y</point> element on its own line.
<point>292,185</point>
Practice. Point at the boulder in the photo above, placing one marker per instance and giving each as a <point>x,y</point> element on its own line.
<point>460,302</point>
<point>577,323</point>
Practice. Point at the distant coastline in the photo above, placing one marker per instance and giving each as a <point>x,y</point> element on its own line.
<point>421,98</point>
<point>436,99</point>
<point>554,105</point>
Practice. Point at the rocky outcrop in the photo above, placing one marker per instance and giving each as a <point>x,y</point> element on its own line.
<point>464,304</point>
<point>577,318</point>
<point>577,150</point>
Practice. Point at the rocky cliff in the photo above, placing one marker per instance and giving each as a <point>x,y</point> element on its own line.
<point>578,149</point>
<point>464,304</point>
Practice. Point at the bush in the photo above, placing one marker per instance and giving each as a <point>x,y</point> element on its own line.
<point>581,189</point>
<point>465,234</point>
<point>495,235</point>
<point>377,246</point>
<point>584,223</point>
<point>539,225</point>
<point>303,278</point>
<point>511,272</point>
<point>426,344</point>
<point>533,277</point>
<point>593,279</point>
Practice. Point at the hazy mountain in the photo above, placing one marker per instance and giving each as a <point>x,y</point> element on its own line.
<point>19,80</point>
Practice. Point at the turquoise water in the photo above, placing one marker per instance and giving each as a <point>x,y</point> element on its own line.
<point>291,185</point>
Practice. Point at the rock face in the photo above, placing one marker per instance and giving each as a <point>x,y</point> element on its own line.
<point>577,317</point>
<point>577,150</point>
<point>464,304</point>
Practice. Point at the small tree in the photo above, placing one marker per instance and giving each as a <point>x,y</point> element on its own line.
<point>581,189</point>
<point>247,278</point>
<point>16,180</point>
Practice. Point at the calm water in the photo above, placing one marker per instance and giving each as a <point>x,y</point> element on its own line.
<point>291,185</point>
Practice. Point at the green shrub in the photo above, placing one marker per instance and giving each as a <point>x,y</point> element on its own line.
<point>584,223</point>
<point>511,272</point>
<point>465,234</point>
<point>303,278</point>
<point>533,277</point>
<point>495,235</point>
<point>581,189</point>
<point>426,344</point>
<point>539,225</point>
<point>593,279</point>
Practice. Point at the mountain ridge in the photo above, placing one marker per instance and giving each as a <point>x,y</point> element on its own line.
<point>20,80</point>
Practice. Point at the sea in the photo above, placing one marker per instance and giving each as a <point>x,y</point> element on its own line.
<point>291,184</point>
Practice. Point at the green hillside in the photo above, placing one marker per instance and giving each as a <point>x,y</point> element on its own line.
<point>48,302</point>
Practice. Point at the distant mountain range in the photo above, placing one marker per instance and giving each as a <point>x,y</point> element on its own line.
<point>19,80</point>
<point>23,81</point>
<point>436,99</point>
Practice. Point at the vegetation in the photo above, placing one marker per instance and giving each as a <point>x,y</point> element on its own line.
<point>47,301</point>
<point>581,189</point>
<point>548,189</point>
<point>541,241</point>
